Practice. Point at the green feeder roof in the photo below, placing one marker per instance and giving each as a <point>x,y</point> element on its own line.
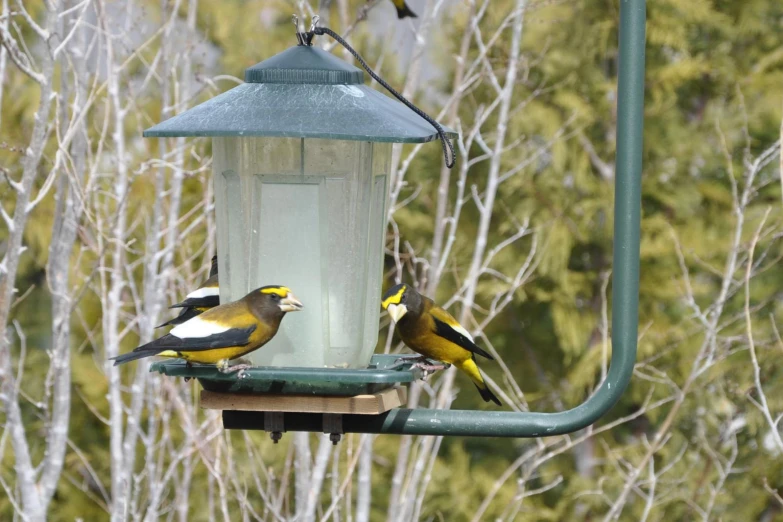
<point>303,92</point>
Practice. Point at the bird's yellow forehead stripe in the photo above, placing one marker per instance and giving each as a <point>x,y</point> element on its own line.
<point>393,299</point>
<point>282,291</point>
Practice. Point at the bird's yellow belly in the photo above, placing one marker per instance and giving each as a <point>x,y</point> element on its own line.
<point>439,349</point>
<point>209,356</point>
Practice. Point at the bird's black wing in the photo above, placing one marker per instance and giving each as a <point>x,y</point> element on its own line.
<point>209,301</point>
<point>447,332</point>
<point>232,337</point>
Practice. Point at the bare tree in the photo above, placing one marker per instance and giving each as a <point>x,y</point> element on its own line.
<point>37,484</point>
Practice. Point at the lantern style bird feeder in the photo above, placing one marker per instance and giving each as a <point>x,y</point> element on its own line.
<point>301,166</point>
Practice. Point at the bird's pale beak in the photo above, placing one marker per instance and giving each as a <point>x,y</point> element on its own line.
<point>397,311</point>
<point>290,303</point>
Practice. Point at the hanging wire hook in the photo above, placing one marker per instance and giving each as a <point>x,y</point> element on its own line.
<point>314,23</point>
<point>305,38</point>
<point>448,148</point>
<point>295,20</point>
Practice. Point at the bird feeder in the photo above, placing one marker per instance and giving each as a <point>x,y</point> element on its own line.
<point>301,166</point>
<point>301,171</point>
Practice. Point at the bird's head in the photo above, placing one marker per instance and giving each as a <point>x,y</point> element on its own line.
<point>275,299</point>
<point>401,300</point>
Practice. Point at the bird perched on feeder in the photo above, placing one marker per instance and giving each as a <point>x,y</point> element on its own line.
<point>431,331</point>
<point>225,332</point>
<point>199,300</point>
<point>403,10</point>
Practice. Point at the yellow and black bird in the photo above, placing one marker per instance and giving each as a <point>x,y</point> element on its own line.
<point>199,300</point>
<point>226,332</point>
<point>403,11</point>
<point>431,331</point>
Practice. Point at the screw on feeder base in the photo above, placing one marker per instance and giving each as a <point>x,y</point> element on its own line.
<point>333,425</point>
<point>274,422</point>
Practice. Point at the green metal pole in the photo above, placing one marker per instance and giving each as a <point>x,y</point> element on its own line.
<point>625,293</point>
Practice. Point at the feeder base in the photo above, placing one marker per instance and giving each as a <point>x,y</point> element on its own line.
<point>374,404</point>
<point>385,371</point>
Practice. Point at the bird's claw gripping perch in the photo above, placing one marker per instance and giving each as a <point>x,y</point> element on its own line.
<point>420,362</point>
<point>406,359</point>
<point>429,368</point>
<point>224,367</point>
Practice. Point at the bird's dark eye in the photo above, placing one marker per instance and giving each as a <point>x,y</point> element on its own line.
<point>275,297</point>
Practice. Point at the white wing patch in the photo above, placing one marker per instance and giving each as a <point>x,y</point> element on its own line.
<point>460,329</point>
<point>207,291</point>
<point>197,328</point>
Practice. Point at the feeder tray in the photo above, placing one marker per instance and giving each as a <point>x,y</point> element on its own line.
<point>383,372</point>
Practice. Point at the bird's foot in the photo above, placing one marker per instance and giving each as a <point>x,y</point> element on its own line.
<point>406,359</point>
<point>409,358</point>
<point>224,367</point>
<point>428,368</point>
<point>235,368</point>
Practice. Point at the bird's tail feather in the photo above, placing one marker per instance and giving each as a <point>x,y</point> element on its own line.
<point>471,368</point>
<point>405,11</point>
<point>487,395</point>
<point>134,355</point>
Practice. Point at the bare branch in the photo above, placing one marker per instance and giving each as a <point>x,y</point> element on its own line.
<point>762,403</point>
<point>19,58</point>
